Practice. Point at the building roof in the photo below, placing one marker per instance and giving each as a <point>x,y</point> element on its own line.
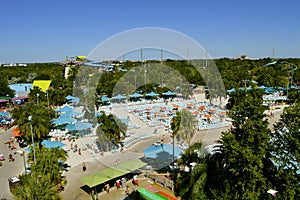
<point>43,84</point>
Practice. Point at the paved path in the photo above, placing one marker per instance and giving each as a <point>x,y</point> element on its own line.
<point>8,169</point>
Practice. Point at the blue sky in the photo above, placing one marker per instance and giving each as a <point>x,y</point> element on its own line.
<point>40,31</point>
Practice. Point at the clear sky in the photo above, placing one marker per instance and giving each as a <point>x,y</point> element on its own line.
<point>40,31</point>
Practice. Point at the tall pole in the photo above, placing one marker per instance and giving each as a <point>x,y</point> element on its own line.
<point>24,162</point>
<point>47,98</point>
<point>37,98</point>
<point>161,55</point>
<point>145,77</point>
<point>188,55</point>
<point>30,119</point>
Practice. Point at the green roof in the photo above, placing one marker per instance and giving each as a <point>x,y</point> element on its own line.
<point>111,173</point>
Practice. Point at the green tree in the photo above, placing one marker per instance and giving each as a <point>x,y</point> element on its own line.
<point>47,162</point>
<point>245,147</point>
<point>41,120</point>
<point>35,187</point>
<point>285,151</point>
<point>110,128</point>
<point>5,90</point>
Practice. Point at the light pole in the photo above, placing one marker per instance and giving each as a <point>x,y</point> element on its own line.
<point>37,98</point>
<point>30,119</point>
<point>47,98</point>
<point>145,77</point>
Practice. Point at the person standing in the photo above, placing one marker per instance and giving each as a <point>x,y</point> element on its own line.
<point>107,188</point>
<point>123,183</point>
<point>83,166</point>
<point>118,184</point>
<point>127,191</point>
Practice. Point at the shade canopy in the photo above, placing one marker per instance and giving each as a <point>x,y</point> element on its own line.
<point>135,95</point>
<point>162,150</point>
<point>66,108</point>
<point>4,114</point>
<point>78,126</point>
<point>105,99</point>
<point>70,114</point>
<point>152,94</point>
<point>119,97</point>
<point>69,97</point>
<point>42,84</point>
<point>52,144</point>
<point>74,100</point>
<point>231,90</point>
<point>169,93</point>
<point>107,174</point>
<point>63,120</point>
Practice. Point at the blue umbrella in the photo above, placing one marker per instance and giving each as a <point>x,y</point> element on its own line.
<point>4,114</point>
<point>74,100</point>
<point>154,151</point>
<point>152,94</point>
<point>69,97</point>
<point>65,109</point>
<point>52,144</point>
<point>119,97</point>
<point>136,95</point>
<point>62,120</point>
<point>169,93</point>
<point>105,99</point>
<point>231,90</point>
<point>78,126</point>
<point>70,114</point>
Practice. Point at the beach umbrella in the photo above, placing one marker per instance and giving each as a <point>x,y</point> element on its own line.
<point>119,97</point>
<point>135,95</point>
<point>169,93</point>
<point>62,120</point>
<point>4,114</point>
<point>78,126</point>
<point>231,90</point>
<point>105,99</point>
<point>70,114</point>
<point>66,108</point>
<point>69,97</point>
<point>152,94</point>
<point>52,144</point>
<point>155,151</point>
<point>74,100</point>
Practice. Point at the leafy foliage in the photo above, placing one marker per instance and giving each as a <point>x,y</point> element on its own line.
<point>41,117</point>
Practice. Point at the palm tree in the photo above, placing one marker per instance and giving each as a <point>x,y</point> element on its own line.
<point>47,162</point>
<point>192,185</point>
<point>183,126</point>
<point>110,127</point>
<point>175,125</point>
<point>40,122</point>
<point>35,188</point>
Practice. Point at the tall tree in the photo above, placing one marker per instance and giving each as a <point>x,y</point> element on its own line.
<point>35,187</point>
<point>285,151</point>
<point>4,89</point>
<point>40,120</point>
<point>245,147</point>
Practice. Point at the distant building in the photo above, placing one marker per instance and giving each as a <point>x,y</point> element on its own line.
<point>21,89</point>
<point>242,57</point>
